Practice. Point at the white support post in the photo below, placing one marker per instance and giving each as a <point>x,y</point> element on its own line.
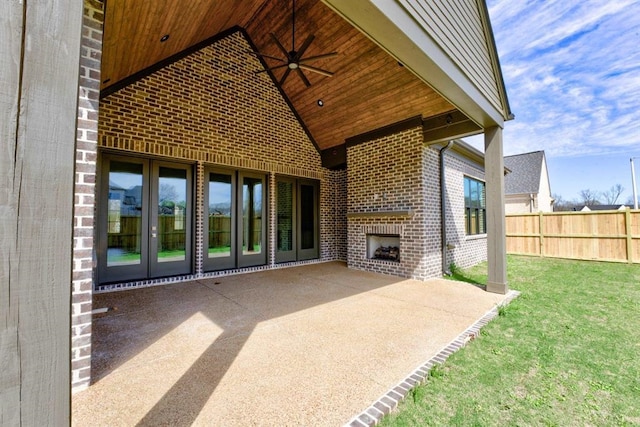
<point>496,228</point>
<point>633,184</point>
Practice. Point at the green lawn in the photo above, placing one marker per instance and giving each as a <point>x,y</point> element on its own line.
<point>566,352</point>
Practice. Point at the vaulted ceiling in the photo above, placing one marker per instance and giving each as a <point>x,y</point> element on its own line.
<point>369,88</point>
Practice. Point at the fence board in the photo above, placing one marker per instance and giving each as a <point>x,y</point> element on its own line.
<point>601,235</point>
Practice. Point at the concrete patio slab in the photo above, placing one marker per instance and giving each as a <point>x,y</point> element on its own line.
<point>310,345</point>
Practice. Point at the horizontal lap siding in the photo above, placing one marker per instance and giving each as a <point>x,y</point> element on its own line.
<point>456,26</point>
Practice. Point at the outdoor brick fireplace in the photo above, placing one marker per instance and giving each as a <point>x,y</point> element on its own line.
<point>383,247</point>
<point>392,202</point>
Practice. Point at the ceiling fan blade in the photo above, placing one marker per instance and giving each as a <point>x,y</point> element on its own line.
<point>271,68</point>
<point>316,70</point>
<point>275,39</point>
<point>303,77</point>
<point>305,45</point>
<point>313,58</point>
<point>284,76</point>
<point>264,55</point>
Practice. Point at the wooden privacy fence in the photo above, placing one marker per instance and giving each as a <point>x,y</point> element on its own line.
<point>597,235</point>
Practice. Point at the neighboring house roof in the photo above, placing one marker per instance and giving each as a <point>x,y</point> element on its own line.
<point>526,170</point>
<point>604,207</point>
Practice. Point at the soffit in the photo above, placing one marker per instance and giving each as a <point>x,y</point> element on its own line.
<point>369,89</point>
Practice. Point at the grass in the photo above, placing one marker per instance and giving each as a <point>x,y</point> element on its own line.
<point>566,352</point>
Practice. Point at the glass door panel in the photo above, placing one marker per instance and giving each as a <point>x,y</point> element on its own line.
<point>252,237</point>
<point>170,232</point>
<point>219,226</point>
<point>122,219</point>
<point>285,206</point>
<point>308,220</point>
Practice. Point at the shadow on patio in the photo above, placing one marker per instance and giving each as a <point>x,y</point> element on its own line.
<point>311,345</point>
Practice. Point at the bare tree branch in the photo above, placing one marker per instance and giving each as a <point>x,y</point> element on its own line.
<point>611,196</point>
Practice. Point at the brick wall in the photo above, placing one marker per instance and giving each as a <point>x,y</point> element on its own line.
<point>468,250</point>
<point>394,189</point>
<point>85,178</point>
<point>388,194</point>
<point>211,108</point>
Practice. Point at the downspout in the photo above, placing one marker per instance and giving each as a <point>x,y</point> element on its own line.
<point>531,200</point>
<point>443,210</point>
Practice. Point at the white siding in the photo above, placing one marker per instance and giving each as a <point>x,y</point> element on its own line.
<point>544,192</point>
<point>457,26</point>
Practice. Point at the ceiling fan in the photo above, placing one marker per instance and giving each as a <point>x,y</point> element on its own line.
<point>294,60</point>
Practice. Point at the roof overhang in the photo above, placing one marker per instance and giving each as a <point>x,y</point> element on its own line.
<point>395,30</point>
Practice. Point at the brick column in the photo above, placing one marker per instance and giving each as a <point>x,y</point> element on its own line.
<point>272,223</point>
<point>201,183</point>
<point>84,204</point>
<point>496,228</point>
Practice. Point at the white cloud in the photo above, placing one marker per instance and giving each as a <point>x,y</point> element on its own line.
<point>572,71</point>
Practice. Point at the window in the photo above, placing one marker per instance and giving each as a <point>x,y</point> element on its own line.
<point>475,209</point>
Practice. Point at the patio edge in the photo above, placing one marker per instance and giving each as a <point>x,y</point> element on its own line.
<point>390,400</point>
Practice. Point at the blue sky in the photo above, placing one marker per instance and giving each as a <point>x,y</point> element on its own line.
<point>572,73</point>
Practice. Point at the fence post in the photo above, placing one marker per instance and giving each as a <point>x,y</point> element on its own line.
<point>627,223</point>
<point>541,232</point>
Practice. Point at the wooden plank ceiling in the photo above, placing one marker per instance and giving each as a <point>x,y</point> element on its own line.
<point>369,89</point>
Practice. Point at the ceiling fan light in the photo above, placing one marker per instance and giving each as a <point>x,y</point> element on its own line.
<point>293,65</point>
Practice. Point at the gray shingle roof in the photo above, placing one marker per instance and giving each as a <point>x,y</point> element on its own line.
<point>525,173</point>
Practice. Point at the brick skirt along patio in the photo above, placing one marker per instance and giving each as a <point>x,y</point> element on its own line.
<point>313,345</point>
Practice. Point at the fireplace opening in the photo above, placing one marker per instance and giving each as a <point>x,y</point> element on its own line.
<point>383,246</point>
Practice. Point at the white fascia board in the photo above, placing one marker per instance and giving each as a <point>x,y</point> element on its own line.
<point>394,29</point>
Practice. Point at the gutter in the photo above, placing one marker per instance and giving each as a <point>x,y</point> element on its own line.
<point>443,210</point>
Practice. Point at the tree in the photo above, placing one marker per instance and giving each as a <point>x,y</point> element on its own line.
<point>611,196</point>
<point>168,192</point>
<point>560,204</point>
<point>589,197</point>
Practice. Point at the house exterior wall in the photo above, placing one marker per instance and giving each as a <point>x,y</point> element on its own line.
<point>394,188</point>
<point>465,250</point>
<point>210,108</point>
<point>451,21</point>
<point>386,194</point>
<point>520,203</point>
<point>544,199</point>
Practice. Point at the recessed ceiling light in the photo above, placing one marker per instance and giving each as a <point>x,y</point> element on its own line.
<point>164,38</point>
<point>320,103</point>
